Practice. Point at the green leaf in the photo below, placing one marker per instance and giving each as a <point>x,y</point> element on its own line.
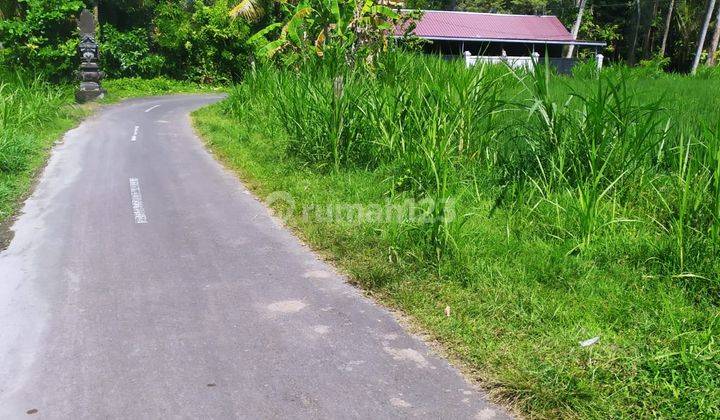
<point>384,11</point>
<point>271,48</point>
<point>261,33</point>
<point>294,24</point>
<point>248,9</point>
<point>335,10</point>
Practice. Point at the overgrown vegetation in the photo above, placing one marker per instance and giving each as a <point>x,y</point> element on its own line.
<point>545,210</point>
<point>200,41</point>
<point>346,31</point>
<point>196,41</point>
<point>134,86</point>
<point>41,41</point>
<point>558,210</point>
<point>33,114</point>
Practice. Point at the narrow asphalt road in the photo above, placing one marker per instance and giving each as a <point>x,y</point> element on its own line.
<point>144,281</point>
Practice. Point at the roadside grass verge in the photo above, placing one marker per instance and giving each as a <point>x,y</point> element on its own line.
<point>123,88</point>
<point>579,212</point>
<point>33,114</point>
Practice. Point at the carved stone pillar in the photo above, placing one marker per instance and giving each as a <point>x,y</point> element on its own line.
<point>89,74</point>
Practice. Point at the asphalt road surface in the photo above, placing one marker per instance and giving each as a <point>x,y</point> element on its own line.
<point>145,282</point>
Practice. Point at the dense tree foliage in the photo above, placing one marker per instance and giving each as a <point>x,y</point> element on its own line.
<point>206,40</point>
<point>351,31</point>
<point>186,39</point>
<point>39,36</point>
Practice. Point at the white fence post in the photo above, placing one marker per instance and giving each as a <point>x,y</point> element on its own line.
<point>535,60</point>
<point>468,59</point>
<point>599,60</point>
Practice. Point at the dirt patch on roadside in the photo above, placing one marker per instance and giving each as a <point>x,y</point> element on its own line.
<point>6,233</point>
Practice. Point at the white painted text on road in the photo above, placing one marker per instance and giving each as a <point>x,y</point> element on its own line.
<point>137,202</point>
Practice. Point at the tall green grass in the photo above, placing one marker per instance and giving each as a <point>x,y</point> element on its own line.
<point>32,112</point>
<point>585,158</point>
<point>122,88</point>
<point>566,208</point>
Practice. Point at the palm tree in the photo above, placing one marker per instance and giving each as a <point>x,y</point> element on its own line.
<point>703,33</point>
<point>666,32</point>
<point>249,9</point>
<point>576,27</point>
<point>715,38</point>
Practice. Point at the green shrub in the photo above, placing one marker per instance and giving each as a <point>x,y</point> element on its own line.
<point>707,72</point>
<point>653,67</point>
<point>43,40</point>
<point>202,42</point>
<point>191,41</point>
<point>127,54</point>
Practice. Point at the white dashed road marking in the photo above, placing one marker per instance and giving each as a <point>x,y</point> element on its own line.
<point>151,108</point>
<point>135,133</point>
<point>137,203</point>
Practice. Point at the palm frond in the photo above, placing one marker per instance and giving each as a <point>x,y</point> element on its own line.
<point>248,9</point>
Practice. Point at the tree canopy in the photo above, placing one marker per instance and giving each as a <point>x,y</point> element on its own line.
<point>206,40</point>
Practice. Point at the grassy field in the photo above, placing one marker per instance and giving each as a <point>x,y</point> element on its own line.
<point>541,211</point>
<point>118,89</point>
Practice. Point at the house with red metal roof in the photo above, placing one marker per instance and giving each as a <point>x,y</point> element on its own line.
<point>494,37</point>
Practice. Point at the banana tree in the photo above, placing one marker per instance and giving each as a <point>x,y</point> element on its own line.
<point>359,28</point>
<point>250,9</point>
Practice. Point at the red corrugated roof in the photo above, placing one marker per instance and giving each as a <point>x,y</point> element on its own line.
<point>489,26</point>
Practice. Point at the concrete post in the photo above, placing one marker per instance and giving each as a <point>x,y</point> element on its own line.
<point>599,60</point>
<point>535,59</point>
<point>467,58</point>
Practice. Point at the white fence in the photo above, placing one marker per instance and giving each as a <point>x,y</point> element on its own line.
<point>527,62</point>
